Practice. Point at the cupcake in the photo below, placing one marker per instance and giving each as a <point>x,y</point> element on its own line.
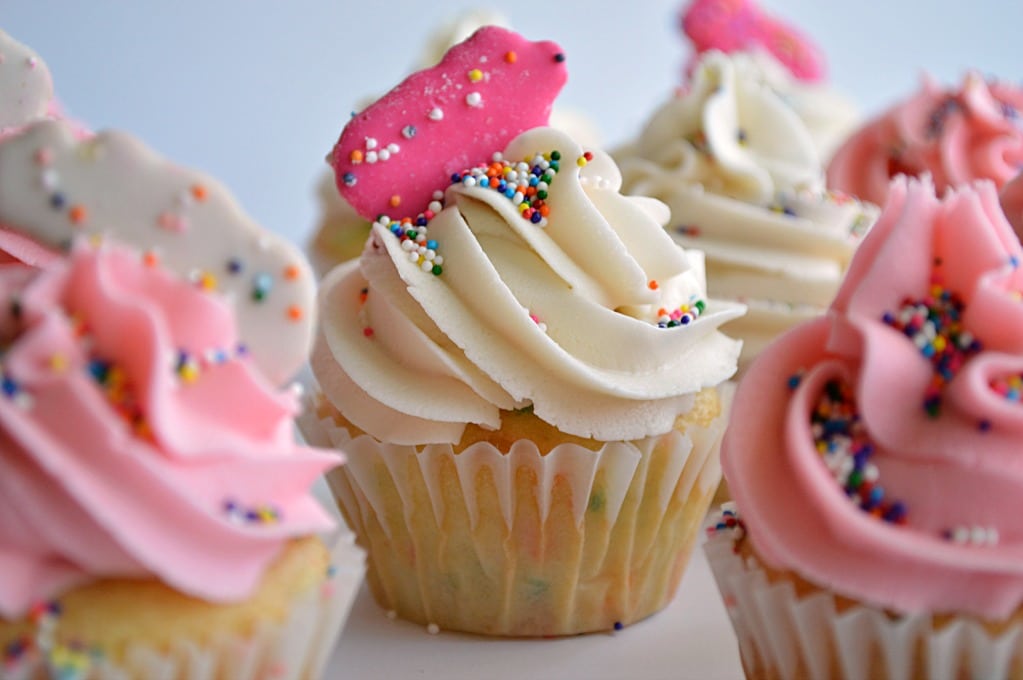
<point>159,519</point>
<point>341,232</point>
<point>522,375</point>
<point>780,57</point>
<point>873,458</point>
<point>955,135</point>
<point>744,182</point>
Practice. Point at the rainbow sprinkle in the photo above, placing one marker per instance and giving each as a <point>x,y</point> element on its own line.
<point>841,439</point>
<point>254,514</point>
<point>934,324</point>
<point>683,315</point>
<point>726,519</point>
<point>1009,387</point>
<point>119,392</point>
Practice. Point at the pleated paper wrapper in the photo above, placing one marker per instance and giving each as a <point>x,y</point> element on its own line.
<point>296,649</point>
<point>784,636</point>
<point>517,543</point>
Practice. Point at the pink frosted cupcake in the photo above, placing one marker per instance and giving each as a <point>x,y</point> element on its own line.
<point>956,136</point>
<point>873,455</point>
<point>159,521</point>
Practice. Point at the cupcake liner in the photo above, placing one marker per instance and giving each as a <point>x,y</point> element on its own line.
<point>297,648</point>
<point>522,544</point>
<point>782,635</point>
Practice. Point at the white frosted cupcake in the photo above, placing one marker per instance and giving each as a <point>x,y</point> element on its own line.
<point>739,171</point>
<point>523,375</point>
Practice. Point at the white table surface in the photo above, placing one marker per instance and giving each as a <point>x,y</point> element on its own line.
<point>691,639</point>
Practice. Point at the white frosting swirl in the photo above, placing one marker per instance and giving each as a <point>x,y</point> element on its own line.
<point>829,116</point>
<point>741,175</point>
<point>562,317</point>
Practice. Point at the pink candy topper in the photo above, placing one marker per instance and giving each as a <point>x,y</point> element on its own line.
<point>393,156</point>
<point>740,25</point>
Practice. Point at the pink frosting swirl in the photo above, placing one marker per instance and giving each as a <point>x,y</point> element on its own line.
<point>956,136</point>
<point>906,400</point>
<point>136,440</point>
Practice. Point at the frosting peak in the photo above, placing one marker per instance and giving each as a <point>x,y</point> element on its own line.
<point>732,134</point>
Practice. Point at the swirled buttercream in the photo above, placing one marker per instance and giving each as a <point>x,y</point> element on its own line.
<point>739,171</point>
<point>136,438</point>
<point>588,313</point>
<point>955,135</point>
<point>905,400</point>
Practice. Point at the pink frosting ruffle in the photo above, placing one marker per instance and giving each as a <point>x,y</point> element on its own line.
<point>956,136</point>
<point>136,439</point>
<point>924,435</point>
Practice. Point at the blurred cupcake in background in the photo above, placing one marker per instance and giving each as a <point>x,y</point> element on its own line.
<point>743,179</point>
<point>777,55</point>
<point>955,135</point>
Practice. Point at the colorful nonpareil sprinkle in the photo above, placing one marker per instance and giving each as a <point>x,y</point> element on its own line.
<point>843,444</point>
<point>726,519</point>
<point>113,381</point>
<point>1009,387</point>
<point>935,325</point>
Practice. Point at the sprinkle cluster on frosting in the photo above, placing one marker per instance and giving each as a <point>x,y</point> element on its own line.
<point>1009,387</point>
<point>263,513</point>
<point>934,324</point>
<point>683,315</point>
<point>525,183</point>
<point>842,441</point>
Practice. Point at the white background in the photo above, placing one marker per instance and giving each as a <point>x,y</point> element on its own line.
<point>255,92</point>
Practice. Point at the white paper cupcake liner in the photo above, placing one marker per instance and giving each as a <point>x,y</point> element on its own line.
<point>590,539</point>
<point>784,636</point>
<point>297,648</point>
